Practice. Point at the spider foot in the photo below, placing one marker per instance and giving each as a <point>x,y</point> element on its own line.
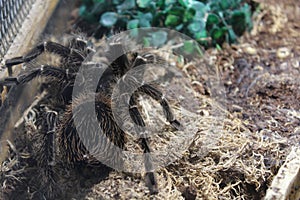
<point>9,81</point>
<point>14,61</point>
<point>176,124</point>
<point>151,183</point>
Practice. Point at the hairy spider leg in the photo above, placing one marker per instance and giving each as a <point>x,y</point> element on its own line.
<point>52,47</point>
<point>158,96</point>
<point>1,98</point>
<point>46,160</point>
<point>78,43</point>
<point>44,71</point>
<point>51,119</point>
<point>137,118</point>
<point>117,54</point>
<point>144,142</point>
<point>152,91</point>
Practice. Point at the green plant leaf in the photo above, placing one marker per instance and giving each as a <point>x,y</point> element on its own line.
<point>247,10</point>
<point>218,20</point>
<point>85,14</point>
<point>134,32</point>
<point>197,5</point>
<point>188,47</point>
<point>218,47</point>
<point>225,4</point>
<point>145,19</point>
<point>238,15</point>
<point>133,24</point>
<point>196,26</point>
<point>145,23</point>
<point>212,19</point>
<point>82,10</point>
<point>170,2</point>
<point>188,3</point>
<point>238,21</point>
<point>143,3</point>
<point>160,3</point>
<point>158,19</point>
<point>159,38</point>
<point>200,8</point>
<point>177,10</point>
<point>217,33</point>
<point>231,36</point>
<point>179,27</point>
<point>146,41</point>
<point>199,50</point>
<point>109,19</point>
<point>184,3</point>
<point>191,47</point>
<point>126,5</point>
<point>189,15</point>
<point>98,1</point>
<point>116,2</point>
<point>200,35</point>
<point>147,16</point>
<point>172,20</point>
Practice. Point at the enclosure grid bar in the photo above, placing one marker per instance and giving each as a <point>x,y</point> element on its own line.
<point>12,14</point>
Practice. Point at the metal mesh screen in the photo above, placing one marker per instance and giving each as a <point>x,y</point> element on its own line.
<point>12,14</point>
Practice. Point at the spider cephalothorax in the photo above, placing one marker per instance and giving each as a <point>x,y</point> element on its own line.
<point>59,108</point>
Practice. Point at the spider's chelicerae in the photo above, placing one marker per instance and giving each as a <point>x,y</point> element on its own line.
<point>58,108</point>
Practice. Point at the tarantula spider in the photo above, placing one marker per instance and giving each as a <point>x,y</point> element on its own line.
<point>57,119</point>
